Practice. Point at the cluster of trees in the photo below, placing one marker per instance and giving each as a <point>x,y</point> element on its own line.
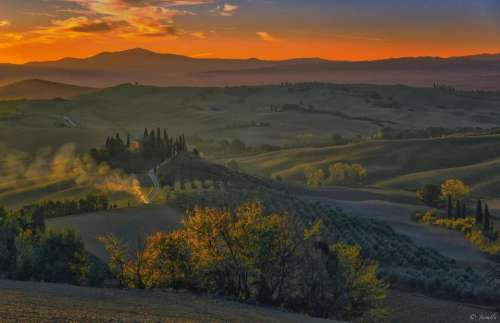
<point>224,147</point>
<point>429,132</point>
<point>270,258</point>
<point>436,195</point>
<point>454,193</point>
<point>339,174</point>
<point>54,209</point>
<point>443,87</point>
<point>29,251</point>
<point>154,145</point>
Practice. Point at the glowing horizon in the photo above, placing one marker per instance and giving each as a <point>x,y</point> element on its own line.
<point>37,30</point>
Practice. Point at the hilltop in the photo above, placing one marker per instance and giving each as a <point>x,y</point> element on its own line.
<point>36,89</point>
<point>479,72</point>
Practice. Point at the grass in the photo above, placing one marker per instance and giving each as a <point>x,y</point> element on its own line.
<point>395,164</point>
<point>127,223</point>
<point>9,109</point>
<point>210,112</point>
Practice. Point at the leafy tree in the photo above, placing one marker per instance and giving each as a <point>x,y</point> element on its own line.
<point>366,292</point>
<point>344,174</point>
<point>314,176</point>
<point>430,194</point>
<point>60,257</point>
<point>454,188</point>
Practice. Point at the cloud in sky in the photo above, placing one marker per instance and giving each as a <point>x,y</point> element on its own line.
<point>265,36</point>
<point>335,29</point>
<point>228,9</point>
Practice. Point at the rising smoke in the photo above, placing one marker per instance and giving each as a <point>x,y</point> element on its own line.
<point>65,164</point>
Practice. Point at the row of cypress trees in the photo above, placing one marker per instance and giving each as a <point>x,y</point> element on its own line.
<point>482,214</point>
<point>153,145</point>
<point>162,147</point>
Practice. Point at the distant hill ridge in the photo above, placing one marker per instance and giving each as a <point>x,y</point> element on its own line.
<point>477,72</point>
<point>40,89</point>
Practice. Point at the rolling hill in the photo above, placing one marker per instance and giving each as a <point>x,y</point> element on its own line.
<point>284,115</point>
<point>396,164</point>
<point>35,89</point>
<point>146,67</point>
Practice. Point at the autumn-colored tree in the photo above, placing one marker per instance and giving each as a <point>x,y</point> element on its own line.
<point>314,176</point>
<point>454,188</point>
<point>244,252</point>
<point>366,292</point>
<point>345,174</point>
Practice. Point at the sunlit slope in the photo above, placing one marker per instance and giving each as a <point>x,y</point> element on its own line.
<point>403,164</point>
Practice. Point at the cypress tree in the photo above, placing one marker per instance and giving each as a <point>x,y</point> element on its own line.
<point>458,210</point>
<point>450,207</point>
<point>128,140</point>
<point>486,222</point>
<point>479,212</point>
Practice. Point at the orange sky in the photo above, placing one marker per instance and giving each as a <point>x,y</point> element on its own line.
<point>332,29</point>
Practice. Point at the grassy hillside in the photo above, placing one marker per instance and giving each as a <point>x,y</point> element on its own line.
<point>128,224</point>
<point>398,164</point>
<point>34,89</point>
<point>279,115</point>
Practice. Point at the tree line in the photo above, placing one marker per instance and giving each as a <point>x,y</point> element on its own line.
<point>30,251</point>
<point>249,254</point>
<point>339,174</point>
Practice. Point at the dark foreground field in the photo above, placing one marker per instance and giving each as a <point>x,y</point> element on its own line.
<point>43,302</point>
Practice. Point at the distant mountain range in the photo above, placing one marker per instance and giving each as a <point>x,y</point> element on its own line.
<point>479,72</point>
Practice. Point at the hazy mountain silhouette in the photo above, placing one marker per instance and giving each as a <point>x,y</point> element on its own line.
<point>146,67</point>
